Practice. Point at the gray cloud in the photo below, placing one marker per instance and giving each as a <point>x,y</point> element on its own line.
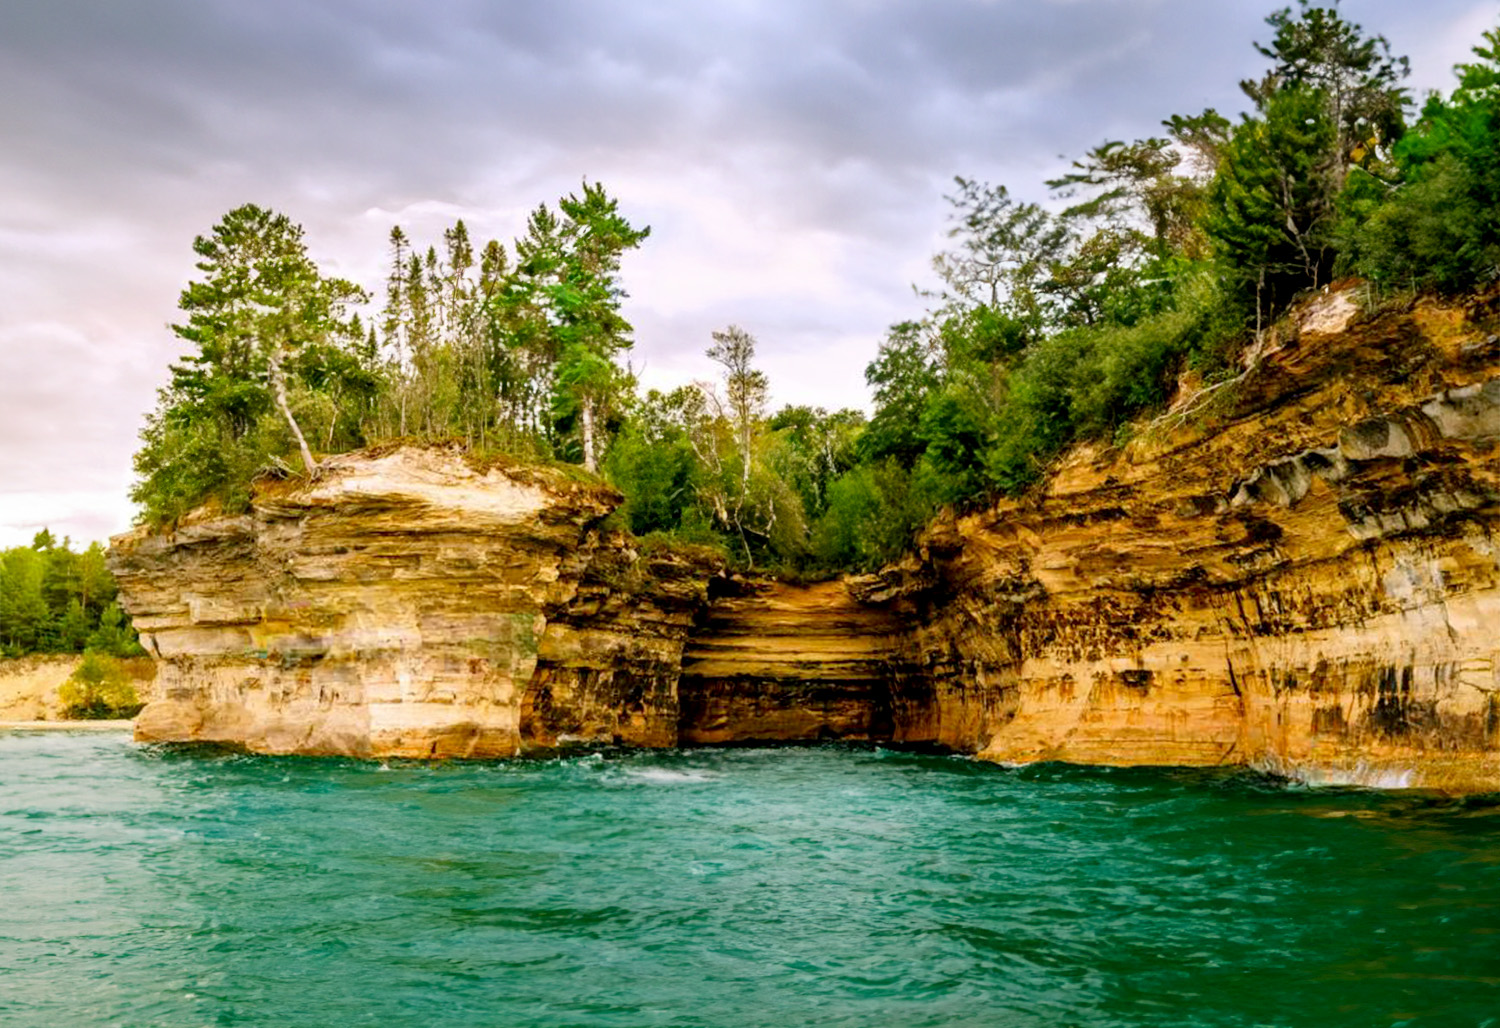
<point>791,158</point>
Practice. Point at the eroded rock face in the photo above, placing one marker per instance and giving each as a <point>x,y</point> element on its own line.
<point>407,603</point>
<point>1311,584</point>
<point>782,663</point>
<point>1299,571</point>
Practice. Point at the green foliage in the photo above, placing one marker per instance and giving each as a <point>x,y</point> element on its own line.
<point>1054,324</point>
<point>521,353</point>
<point>1271,209</point>
<point>1330,107</point>
<point>186,461</point>
<point>261,313</point>
<point>811,448</point>
<point>956,428</point>
<point>1356,76</point>
<point>900,376</point>
<point>99,688</point>
<point>56,600</point>
<point>1440,229</point>
<point>872,513</point>
<point>653,464</point>
<point>114,636</point>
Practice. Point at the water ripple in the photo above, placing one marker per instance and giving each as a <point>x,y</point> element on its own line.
<point>822,886</point>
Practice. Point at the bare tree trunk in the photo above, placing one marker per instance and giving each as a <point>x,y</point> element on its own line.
<point>333,422</point>
<point>589,463</point>
<point>745,429</point>
<point>278,387</point>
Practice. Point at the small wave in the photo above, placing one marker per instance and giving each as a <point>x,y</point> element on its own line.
<point>1367,778</point>
<point>1361,775</point>
<point>668,776</point>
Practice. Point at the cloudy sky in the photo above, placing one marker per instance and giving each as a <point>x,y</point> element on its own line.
<point>791,157</point>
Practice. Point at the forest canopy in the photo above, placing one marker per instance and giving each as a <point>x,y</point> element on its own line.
<point>54,599</point>
<point>1154,263</point>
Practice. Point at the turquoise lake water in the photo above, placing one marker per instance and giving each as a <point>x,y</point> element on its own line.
<point>826,886</point>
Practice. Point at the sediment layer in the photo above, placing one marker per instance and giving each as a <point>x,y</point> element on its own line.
<point>408,603</point>
<point>1305,578</point>
<point>1296,570</point>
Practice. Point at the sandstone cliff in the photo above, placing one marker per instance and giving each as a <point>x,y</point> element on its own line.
<point>1306,578</point>
<point>29,687</point>
<point>409,603</point>
<point>1297,571</point>
<point>774,662</point>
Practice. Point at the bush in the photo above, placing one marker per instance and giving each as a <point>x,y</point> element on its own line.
<point>114,637</point>
<point>1440,229</point>
<point>1436,232</point>
<point>1086,383</point>
<point>873,512</point>
<point>99,689</point>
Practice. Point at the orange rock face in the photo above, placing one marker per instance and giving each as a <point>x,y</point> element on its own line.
<point>779,663</point>
<point>1298,570</point>
<point>408,604</point>
<point>1308,581</point>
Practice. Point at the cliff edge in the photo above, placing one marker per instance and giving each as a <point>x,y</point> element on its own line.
<point>1297,571</point>
<point>410,602</point>
<point>1304,577</point>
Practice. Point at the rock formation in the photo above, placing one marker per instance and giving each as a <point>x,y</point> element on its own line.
<point>410,603</point>
<point>1306,579</point>
<point>790,663</point>
<point>1296,570</point>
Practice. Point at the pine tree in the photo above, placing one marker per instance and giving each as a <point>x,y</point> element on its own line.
<point>260,304</point>
<point>584,298</point>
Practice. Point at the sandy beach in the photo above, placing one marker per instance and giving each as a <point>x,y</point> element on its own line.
<point>66,726</point>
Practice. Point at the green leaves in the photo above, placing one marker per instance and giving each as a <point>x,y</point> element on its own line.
<point>261,307</point>
<point>53,599</point>
<point>1440,228</point>
<point>1356,77</point>
<point>1272,207</point>
<point>99,688</point>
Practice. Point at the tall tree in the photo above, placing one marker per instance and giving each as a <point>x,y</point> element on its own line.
<point>1005,252</point>
<point>584,299</point>
<point>260,303</point>
<point>1331,102</point>
<point>1355,75</point>
<point>1272,207</point>
<point>901,377</point>
<point>744,386</point>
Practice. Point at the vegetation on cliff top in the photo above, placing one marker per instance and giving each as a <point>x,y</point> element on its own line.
<point>1053,323</point>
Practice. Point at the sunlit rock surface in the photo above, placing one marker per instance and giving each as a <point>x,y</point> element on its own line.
<point>1304,578</point>
<point>410,603</point>
<point>784,663</point>
<point>1297,571</point>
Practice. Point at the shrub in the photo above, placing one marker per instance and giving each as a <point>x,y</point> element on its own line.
<point>99,689</point>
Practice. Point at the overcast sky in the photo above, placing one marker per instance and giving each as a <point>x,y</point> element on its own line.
<point>790,156</point>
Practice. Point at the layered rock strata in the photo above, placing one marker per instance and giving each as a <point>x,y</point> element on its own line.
<point>774,662</point>
<point>409,603</point>
<point>1307,581</point>
<point>1297,570</point>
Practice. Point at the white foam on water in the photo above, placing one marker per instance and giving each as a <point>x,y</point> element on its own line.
<point>667,776</point>
<point>1363,776</point>
<point>1369,778</point>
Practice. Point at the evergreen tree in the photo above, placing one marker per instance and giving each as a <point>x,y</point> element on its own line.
<point>261,303</point>
<point>1355,76</point>
<point>1272,207</point>
<point>584,300</point>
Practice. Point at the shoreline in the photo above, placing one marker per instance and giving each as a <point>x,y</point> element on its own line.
<point>67,726</point>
